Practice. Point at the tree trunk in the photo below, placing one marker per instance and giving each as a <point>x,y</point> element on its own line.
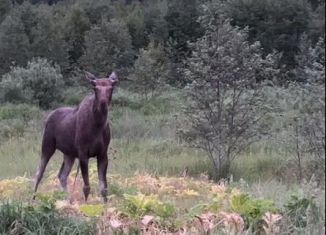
<point>221,168</point>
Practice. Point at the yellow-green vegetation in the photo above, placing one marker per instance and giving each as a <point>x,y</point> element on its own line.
<point>144,202</point>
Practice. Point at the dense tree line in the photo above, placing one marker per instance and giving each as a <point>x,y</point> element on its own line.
<point>75,34</point>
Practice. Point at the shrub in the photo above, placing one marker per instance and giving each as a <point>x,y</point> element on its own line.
<point>15,119</point>
<point>18,218</point>
<point>150,71</point>
<point>136,206</point>
<point>39,83</point>
<point>21,111</point>
<point>297,210</point>
<point>251,209</point>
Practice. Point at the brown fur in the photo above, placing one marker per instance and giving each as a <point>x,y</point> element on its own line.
<point>81,132</point>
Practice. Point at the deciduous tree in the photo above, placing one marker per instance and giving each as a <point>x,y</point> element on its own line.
<point>225,107</point>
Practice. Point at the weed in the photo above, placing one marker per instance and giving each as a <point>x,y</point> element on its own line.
<point>136,206</point>
<point>297,210</point>
<point>18,218</point>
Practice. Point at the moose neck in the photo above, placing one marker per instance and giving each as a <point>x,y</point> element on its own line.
<point>100,114</point>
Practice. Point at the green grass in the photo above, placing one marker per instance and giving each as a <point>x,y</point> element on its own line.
<point>144,139</point>
<point>19,218</point>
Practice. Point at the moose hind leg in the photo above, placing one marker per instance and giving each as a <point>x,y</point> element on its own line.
<point>102,165</point>
<point>65,170</point>
<point>45,157</point>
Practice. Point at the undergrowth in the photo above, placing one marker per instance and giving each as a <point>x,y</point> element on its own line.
<point>42,218</point>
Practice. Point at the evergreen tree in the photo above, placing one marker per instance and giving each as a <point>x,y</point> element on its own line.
<point>182,27</point>
<point>14,43</point>
<point>47,36</point>
<point>150,70</point>
<point>108,47</point>
<point>75,27</point>
<point>277,24</point>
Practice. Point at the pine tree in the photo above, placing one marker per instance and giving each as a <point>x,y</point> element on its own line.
<point>108,47</point>
<point>150,70</point>
<point>14,43</point>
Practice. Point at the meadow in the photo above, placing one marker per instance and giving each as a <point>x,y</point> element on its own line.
<point>157,184</point>
<point>218,118</point>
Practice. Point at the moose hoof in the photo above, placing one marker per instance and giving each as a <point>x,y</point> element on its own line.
<point>105,199</point>
<point>86,190</point>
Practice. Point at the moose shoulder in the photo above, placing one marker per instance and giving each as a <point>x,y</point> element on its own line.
<point>81,133</point>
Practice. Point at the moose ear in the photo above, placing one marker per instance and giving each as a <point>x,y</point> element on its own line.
<point>91,78</point>
<point>113,78</point>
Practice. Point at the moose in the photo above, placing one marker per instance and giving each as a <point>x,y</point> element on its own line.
<point>80,133</point>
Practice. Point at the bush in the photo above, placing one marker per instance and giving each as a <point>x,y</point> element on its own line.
<point>15,119</point>
<point>251,209</point>
<point>136,206</point>
<point>18,218</point>
<point>297,210</point>
<point>39,83</point>
<point>22,111</point>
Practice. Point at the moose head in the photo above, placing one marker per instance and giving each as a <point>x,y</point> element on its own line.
<point>103,88</point>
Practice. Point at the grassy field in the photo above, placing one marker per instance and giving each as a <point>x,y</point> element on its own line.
<point>146,161</point>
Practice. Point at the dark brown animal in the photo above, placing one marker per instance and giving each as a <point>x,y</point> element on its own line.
<point>82,133</point>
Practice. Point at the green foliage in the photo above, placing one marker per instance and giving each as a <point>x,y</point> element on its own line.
<point>108,47</point>
<point>311,61</point>
<point>15,119</point>
<point>277,24</point>
<point>150,71</point>
<point>14,43</point>
<point>46,34</point>
<point>197,210</point>
<point>136,206</point>
<point>223,73</point>
<point>96,10</point>
<point>18,218</point>
<point>155,21</point>
<point>135,21</point>
<point>22,111</point>
<point>92,210</point>
<point>73,95</point>
<point>297,209</point>
<point>76,25</point>
<point>183,26</point>
<point>47,201</point>
<point>38,83</point>
<point>251,209</point>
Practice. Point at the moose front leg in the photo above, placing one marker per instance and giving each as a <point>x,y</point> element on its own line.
<point>102,166</point>
<point>83,159</point>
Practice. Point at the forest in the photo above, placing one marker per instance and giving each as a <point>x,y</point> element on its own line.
<point>218,118</point>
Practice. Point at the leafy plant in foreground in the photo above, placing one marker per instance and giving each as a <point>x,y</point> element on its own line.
<point>92,210</point>
<point>43,218</point>
<point>136,206</point>
<point>251,209</point>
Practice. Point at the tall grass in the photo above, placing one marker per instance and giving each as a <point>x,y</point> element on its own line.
<point>18,218</point>
<point>144,139</point>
